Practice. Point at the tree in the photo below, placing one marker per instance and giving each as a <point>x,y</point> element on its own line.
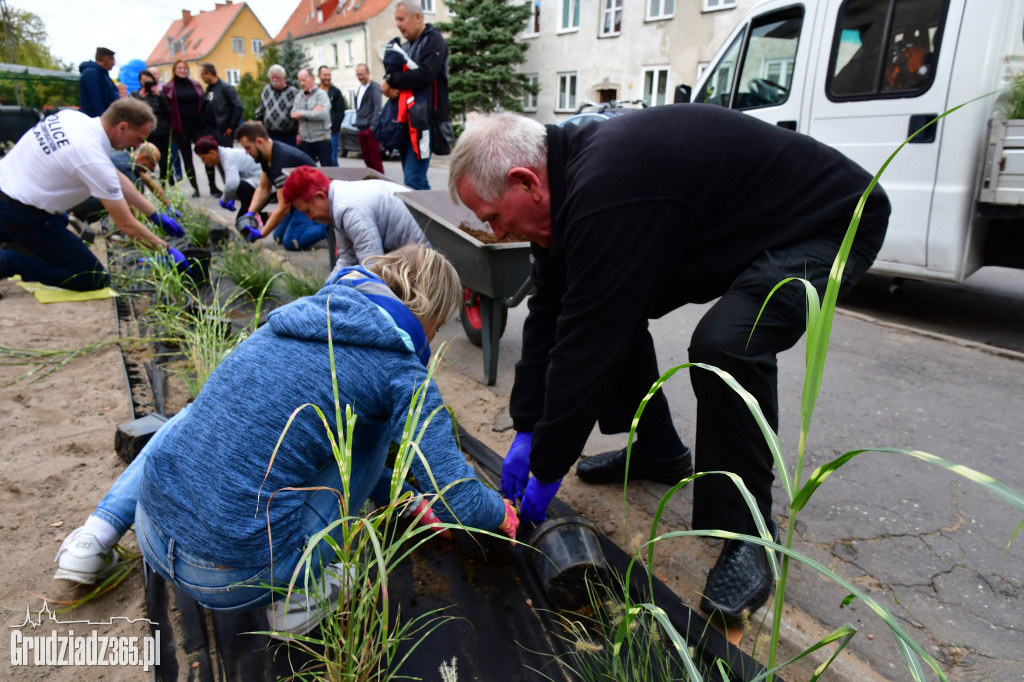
<point>23,39</point>
<point>484,55</point>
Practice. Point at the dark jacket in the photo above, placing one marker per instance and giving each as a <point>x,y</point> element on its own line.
<point>369,108</point>
<point>337,108</point>
<point>96,90</point>
<point>430,52</point>
<point>172,99</point>
<point>649,211</point>
<point>222,101</point>
<point>157,101</point>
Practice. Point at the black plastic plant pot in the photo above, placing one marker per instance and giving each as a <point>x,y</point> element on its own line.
<point>568,557</point>
<point>198,264</point>
<point>219,234</point>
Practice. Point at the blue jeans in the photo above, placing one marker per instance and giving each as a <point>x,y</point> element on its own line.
<point>49,252</point>
<point>296,232</point>
<point>335,143</point>
<point>320,151</point>
<point>414,170</point>
<point>202,578</point>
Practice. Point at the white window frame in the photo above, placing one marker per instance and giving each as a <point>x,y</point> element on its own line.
<point>574,15</point>
<point>232,76</point>
<point>320,59</point>
<point>532,22</point>
<point>428,6</point>
<point>715,5</point>
<point>349,55</point>
<point>655,72</point>
<point>530,99</point>
<point>609,8</point>
<point>257,46</point>
<point>657,10</point>
<point>785,70</point>
<point>567,94</point>
<point>238,45</point>
<point>334,49</point>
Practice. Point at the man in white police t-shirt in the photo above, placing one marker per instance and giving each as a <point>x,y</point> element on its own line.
<point>57,164</point>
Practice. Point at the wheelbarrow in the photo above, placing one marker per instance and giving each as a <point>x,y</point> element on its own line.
<point>496,276</point>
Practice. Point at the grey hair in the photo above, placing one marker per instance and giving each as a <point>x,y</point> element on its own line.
<point>276,69</point>
<point>493,146</point>
<point>411,6</point>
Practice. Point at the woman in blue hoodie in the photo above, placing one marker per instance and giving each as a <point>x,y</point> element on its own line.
<point>198,492</point>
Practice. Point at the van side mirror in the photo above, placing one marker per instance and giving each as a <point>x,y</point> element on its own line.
<point>682,94</point>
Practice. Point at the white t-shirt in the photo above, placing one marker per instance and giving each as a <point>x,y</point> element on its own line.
<point>61,162</point>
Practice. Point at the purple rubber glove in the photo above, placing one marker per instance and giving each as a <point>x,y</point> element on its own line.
<point>250,234</point>
<point>170,225</point>
<point>536,500</point>
<point>174,213</point>
<point>228,204</point>
<point>515,470</point>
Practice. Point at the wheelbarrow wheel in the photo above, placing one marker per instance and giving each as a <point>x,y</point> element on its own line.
<point>472,321</point>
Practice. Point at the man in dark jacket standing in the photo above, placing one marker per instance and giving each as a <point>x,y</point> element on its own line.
<point>426,80</point>
<point>221,113</point>
<point>96,90</point>
<point>368,106</point>
<point>631,219</point>
<point>337,108</point>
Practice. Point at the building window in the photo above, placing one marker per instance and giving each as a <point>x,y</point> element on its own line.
<point>655,86</point>
<point>257,46</point>
<point>533,21</point>
<point>232,76</point>
<point>309,54</point>
<point>352,97</point>
<point>319,55</point>
<point>660,9</point>
<point>566,92</point>
<point>334,51</point>
<point>712,5</point>
<point>611,18</point>
<point>428,6</point>
<point>349,59</point>
<point>607,95</point>
<point>529,98</point>
<point>569,20</point>
<point>238,45</point>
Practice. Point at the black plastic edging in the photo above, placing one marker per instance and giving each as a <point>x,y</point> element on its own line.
<point>708,642</point>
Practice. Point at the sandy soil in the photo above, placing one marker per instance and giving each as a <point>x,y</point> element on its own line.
<point>56,441</point>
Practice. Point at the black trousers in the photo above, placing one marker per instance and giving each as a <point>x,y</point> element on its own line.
<point>728,438</point>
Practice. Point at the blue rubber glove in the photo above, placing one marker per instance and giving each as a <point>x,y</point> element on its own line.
<point>515,470</point>
<point>229,204</point>
<point>179,258</point>
<point>536,500</point>
<point>170,225</point>
<point>250,234</point>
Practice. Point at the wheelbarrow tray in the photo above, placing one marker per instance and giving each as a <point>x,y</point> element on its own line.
<point>494,270</point>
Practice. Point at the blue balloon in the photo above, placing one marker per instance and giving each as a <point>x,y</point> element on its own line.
<point>129,74</point>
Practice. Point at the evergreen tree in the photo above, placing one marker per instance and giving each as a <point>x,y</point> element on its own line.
<point>484,55</point>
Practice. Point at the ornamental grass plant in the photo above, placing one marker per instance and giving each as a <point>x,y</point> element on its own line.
<point>245,265</point>
<point>799,488</point>
<point>365,636</point>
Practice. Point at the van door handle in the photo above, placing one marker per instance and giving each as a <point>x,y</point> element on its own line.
<point>926,136</point>
<point>788,125</point>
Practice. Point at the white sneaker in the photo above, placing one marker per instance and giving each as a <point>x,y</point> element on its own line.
<point>83,559</point>
<point>301,613</point>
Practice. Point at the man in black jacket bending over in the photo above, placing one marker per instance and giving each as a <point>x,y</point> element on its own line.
<point>634,217</point>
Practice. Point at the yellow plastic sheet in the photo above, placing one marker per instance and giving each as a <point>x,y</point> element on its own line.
<point>45,293</point>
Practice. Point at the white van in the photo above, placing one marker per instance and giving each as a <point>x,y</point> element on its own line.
<point>862,76</point>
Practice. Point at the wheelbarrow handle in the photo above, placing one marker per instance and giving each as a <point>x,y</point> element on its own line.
<point>515,299</point>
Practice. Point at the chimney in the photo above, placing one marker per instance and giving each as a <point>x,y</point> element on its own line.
<point>186,16</point>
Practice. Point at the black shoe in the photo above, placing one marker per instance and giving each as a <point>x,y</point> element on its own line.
<point>195,194</point>
<point>610,467</point>
<point>740,581</point>
<point>216,193</point>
